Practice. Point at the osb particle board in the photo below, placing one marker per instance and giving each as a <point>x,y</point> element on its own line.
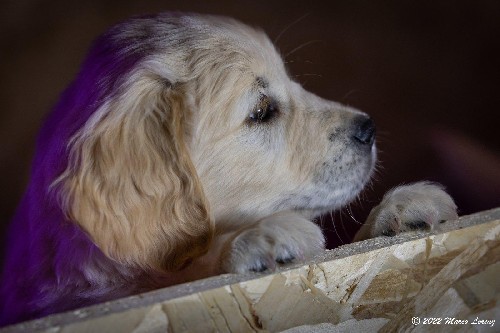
<point>379,284</point>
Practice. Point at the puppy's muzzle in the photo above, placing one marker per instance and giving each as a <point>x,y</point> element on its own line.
<point>364,131</point>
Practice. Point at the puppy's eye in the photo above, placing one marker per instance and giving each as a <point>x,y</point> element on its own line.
<point>264,111</point>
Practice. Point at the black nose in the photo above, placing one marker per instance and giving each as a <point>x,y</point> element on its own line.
<point>364,130</point>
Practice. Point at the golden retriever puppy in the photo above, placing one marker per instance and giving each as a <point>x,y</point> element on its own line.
<point>183,149</point>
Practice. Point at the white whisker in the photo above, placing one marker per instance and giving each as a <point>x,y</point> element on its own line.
<point>302,46</point>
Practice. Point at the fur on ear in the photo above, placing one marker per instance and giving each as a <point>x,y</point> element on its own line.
<point>130,183</point>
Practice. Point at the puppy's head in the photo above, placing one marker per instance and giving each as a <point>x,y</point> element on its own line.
<point>260,142</point>
<point>195,119</point>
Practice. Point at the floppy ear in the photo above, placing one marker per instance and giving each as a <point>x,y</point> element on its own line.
<point>130,183</point>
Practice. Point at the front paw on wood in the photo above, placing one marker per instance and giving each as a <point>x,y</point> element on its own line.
<point>419,206</point>
<point>278,240</point>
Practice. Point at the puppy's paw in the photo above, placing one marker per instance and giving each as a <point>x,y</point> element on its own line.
<point>280,239</point>
<point>419,206</point>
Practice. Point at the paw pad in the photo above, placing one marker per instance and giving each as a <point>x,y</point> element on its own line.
<point>417,225</point>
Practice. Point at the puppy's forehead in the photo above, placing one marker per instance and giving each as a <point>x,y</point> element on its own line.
<point>252,43</point>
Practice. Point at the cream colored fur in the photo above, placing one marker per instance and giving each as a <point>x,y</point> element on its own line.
<point>170,169</point>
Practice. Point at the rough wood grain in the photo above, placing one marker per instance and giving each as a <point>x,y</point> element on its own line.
<point>378,285</point>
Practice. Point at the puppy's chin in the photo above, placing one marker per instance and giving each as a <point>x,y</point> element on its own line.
<point>333,195</point>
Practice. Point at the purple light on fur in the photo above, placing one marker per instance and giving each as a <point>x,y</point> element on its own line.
<point>45,252</point>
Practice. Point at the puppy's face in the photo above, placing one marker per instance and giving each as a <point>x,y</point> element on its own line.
<point>261,143</point>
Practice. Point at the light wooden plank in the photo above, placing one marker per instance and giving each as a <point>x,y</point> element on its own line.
<point>378,284</point>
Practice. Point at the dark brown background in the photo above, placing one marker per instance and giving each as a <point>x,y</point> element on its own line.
<point>427,71</point>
